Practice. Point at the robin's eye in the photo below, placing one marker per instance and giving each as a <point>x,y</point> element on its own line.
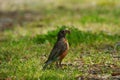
<point>63,31</point>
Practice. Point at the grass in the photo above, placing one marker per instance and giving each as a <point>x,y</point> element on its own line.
<point>76,37</point>
<point>24,58</point>
<point>94,33</point>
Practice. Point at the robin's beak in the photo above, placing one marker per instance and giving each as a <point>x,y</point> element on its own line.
<point>67,31</point>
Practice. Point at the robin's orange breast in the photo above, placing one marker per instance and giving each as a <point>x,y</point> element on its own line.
<point>65,52</point>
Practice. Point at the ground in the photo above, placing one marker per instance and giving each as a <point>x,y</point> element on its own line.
<point>28,32</point>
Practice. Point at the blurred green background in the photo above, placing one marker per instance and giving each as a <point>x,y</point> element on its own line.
<point>28,30</point>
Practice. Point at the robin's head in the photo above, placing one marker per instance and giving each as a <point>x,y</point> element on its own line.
<point>62,33</point>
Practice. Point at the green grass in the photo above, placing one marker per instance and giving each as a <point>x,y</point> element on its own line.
<point>24,58</point>
<point>94,33</point>
<point>77,37</point>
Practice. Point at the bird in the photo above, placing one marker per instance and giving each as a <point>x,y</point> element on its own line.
<point>59,50</point>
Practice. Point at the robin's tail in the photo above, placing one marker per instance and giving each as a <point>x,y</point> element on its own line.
<point>46,64</point>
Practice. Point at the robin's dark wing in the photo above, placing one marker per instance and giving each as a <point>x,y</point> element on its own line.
<point>57,50</point>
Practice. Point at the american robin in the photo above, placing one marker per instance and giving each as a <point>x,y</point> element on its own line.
<point>59,50</point>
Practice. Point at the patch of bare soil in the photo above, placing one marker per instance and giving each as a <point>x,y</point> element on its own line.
<point>9,19</point>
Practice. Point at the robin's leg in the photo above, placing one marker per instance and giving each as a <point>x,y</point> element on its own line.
<point>57,65</point>
<point>60,65</point>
